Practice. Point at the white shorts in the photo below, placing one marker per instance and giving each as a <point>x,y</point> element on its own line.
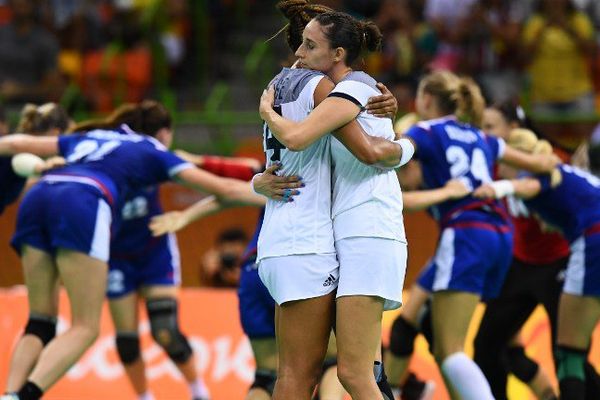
<point>372,267</point>
<point>298,277</point>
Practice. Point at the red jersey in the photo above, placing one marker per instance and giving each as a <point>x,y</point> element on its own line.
<point>531,244</point>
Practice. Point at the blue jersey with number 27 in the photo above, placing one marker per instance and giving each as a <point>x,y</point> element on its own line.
<point>120,161</point>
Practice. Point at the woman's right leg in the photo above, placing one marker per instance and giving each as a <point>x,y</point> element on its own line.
<point>577,318</point>
<point>84,278</point>
<point>124,313</point>
<point>41,278</point>
<point>452,312</point>
<point>303,329</point>
<point>358,333</point>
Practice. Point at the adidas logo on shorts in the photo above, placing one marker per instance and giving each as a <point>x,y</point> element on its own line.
<point>330,280</point>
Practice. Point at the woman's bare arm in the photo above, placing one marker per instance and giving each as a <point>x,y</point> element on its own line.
<point>422,199</point>
<point>43,146</point>
<point>230,191</point>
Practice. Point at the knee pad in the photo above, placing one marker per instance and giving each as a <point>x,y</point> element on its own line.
<point>402,338</point>
<point>570,363</point>
<point>42,326</point>
<point>165,329</point>
<point>128,347</point>
<point>264,379</point>
<point>520,365</point>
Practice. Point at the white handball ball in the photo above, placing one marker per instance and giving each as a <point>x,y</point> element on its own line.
<point>24,164</point>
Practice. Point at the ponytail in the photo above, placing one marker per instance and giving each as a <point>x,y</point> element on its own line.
<point>372,36</point>
<point>40,119</point>
<point>147,117</point>
<point>470,102</point>
<point>298,13</point>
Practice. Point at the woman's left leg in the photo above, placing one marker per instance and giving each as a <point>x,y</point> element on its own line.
<point>163,312</point>
<point>41,278</point>
<point>84,278</point>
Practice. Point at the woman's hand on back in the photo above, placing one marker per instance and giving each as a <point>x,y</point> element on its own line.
<point>266,102</point>
<point>384,105</point>
<point>279,188</point>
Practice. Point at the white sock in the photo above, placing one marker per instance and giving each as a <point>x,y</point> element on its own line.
<point>199,390</point>
<point>466,378</point>
<point>146,396</point>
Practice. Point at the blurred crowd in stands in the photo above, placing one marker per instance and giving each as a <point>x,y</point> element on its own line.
<point>96,54</point>
<point>541,52</point>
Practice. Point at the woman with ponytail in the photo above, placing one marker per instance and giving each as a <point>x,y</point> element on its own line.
<point>568,199</point>
<point>46,120</point>
<point>535,277</point>
<point>475,242</point>
<point>365,212</point>
<point>64,228</point>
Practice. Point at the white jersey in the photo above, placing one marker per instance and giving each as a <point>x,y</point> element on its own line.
<point>367,201</point>
<point>303,226</point>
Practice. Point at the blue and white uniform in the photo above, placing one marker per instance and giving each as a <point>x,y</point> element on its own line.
<point>257,307</point>
<point>11,184</point>
<point>73,207</point>
<point>574,207</point>
<point>475,246</point>
<point>296,253</point>
<point>367,209</point>
<point>137,258</point>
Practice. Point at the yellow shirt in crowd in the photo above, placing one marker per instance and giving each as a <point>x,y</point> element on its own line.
<point>558,71</point>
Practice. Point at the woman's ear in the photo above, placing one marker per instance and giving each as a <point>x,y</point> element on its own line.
<point>339,54</point>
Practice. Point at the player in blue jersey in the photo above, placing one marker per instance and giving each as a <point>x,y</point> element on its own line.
<point>142,266</point>
<point>46,120</point>
<point>567,200</point>
<point>64,225</point>
<point>475,242</point>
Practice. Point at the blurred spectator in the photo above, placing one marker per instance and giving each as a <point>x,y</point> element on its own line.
<point>493,45</point>
<point>363,8</point>
<point>451,23</point>
<point>175,31</point>
<point>122,71</point>
<point>408,42</point>
<point>28,58</point>
<point>220,266</point>
<point>558,43</point>
<point>592,9</point>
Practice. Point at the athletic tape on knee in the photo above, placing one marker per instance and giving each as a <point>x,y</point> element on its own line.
<point>264,379</point>
<point>570,363</point>
<point>165,329</point>
<point>402,338</point>
<point>128,347</point>
<point>42,326</point>
<point>520,365</point>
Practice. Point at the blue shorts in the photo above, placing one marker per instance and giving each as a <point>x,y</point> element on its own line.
<point>159,265</point>
<point>583,271</point>
<point>66,215</point>
<point>257,307</point>
<point>470,259</point>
